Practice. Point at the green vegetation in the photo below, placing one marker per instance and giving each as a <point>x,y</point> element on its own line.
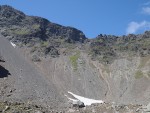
<point>107,59</point>
<point>33,49</point>
<point>44,43</point>
<point>139,74</point>
<point>143,61</point>
<point>106,69</point>
<point>23,31</point>
<point>36,26</point>
<point>106,48</point>
<point>74,59</point>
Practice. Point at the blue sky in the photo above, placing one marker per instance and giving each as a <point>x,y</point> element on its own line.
<point>93,17</point>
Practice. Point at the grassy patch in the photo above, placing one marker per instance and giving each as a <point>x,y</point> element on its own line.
<point>138,74</point>
<point>143,61</point>
<point>36,26</point>
<point>33,49</point>
<point>107,48</point>
<point>44,44</point>
<point>74,59</point>
<point>22,31</point>
<point>106,69</point>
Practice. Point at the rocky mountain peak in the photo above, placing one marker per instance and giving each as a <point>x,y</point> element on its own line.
<point>9,15</point>
<point>24,26</point>
<point>57,67</point>
<point>36,32</point>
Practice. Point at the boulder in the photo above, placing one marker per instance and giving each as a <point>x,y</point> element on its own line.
<point>51,50</point>
<point>35,58</point>
<point>78,103</point>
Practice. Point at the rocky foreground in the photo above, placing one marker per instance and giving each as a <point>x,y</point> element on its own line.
<point>7,107</point>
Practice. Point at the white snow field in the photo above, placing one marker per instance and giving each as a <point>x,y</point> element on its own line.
<point>86,101</point>
<point>14,45</point>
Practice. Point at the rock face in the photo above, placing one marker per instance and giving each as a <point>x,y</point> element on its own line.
<point>35,27</point>
<point>49,60</point>
<point>36,31</point>
<point>9,15</point>
<point>35,58</point>
<point>107,48</point>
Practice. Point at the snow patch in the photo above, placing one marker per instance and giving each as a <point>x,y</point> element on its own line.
<point>86,101</point>
<point>74,100</point>
<point>14,45</point>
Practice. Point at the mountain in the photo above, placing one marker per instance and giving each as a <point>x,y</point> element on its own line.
<point>50,65</point>
<point>37,31</point>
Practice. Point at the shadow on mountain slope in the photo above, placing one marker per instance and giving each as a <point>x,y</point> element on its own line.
<point>1,60</point>
<point>3,72</point>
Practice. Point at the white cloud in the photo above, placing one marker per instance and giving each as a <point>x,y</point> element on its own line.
<point>133,27</point>
<point>137,27</point>
<point>146,10</point>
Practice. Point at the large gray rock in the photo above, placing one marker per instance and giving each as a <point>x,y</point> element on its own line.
<point>51,51</point>
<point>78,104</point>
<point>147,108</point>
<point>35,58</point>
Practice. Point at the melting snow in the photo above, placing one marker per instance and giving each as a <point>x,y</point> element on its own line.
<point>86,101</point>
<point>74,100</point>
<point>14,45</point>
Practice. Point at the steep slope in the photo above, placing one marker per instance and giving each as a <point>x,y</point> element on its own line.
<point>124,81</point>
<point>107,48</point>
<point>35,27</point>
<point>39,34</point>
<point>26,83</point>
<point>49,60</point>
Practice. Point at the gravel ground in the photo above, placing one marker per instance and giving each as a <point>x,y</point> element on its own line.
<point>47,82</point>
<point>28,83</point>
